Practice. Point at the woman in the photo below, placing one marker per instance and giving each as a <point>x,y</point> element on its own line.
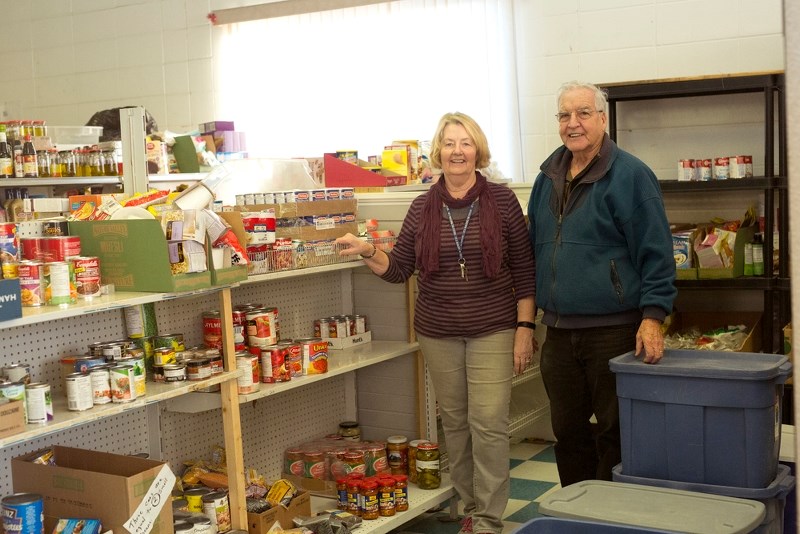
<point>474,312</point>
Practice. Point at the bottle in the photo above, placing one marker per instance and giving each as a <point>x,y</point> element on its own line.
<point>748,259</point>
<point>30,162</point>
<point>17,151</point>
<point>6,156</point>
<point>758,255</point>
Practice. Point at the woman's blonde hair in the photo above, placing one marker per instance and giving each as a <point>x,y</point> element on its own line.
<point>482,157</point>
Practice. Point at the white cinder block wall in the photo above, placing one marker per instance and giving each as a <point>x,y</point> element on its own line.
<point>65,60</point>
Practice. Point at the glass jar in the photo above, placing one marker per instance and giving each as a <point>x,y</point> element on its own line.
<point>369,499</point>
<point>428,474</point>
<point>110,163</point>
<point>397,454</point>
<point>43,163</point>
<point>353,493</point>
<point>341,493</point>
<point>412,459</point>
<point>400,493</point>
<point>350,430</point>
<point>386,496</point>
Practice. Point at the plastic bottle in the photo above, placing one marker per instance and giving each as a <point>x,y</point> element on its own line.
<point>758,255</point>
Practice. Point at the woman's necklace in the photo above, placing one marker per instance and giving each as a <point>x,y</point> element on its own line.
<point>460,242</point>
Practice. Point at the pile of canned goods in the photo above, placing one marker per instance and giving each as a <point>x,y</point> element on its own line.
<point>50,269</point>
<point>295,195</point>
<point>286,253</point>
<point>16,384</point>
<point>201,510</point>
<point>719,168</point>
<point>339,326</point>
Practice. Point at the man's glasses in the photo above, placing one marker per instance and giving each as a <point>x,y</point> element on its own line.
<point>582,114</point>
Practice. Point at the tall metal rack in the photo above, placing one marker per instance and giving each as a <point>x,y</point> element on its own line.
<point>773,184</point>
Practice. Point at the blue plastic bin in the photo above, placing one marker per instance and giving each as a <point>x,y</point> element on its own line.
<point>707,417</point>
<point>558,525</point>
<point>773,496</point>
<point>650,507</point>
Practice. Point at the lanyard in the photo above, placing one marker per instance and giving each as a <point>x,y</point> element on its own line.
<point>460,242</point>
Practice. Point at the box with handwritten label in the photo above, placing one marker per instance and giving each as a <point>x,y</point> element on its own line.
<point>78,482</point>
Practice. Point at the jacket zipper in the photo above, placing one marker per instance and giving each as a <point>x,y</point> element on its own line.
<point>553,266</point>
<point>617,283</point>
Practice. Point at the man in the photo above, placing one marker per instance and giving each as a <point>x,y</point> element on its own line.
<point>604,278</point>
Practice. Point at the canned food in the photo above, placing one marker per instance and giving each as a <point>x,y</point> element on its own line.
<point>175,341</point>
<point>686,170</point>
<point>115,350</point>
<point>202,525</point>
<point>87,275</point>
<point>101,385</point>
<point>360,324</point>
<point>163,356</point>
<point>15,391</point>
<point>31,283</point>
<point>722,168</point>
<point>60,248</point>
<point>239,317</point>
<point>55,228</point>
<point>265,354</point>
<point>216,508</point>
<point>23,513</point>
<point>39,402</point>
<point>261,326</point>
<point>198,369</point>
<point>9,242</point>
<point>293,356</point>
<point>59,283</point>
<point>338,327</point>
<point>315,355</point>
<point>703,169</point>
<point>217,363</point>
<point>194,498</point>
<point>212,329</point>
<point>79,392</point>
<point>139,375</point>
<point>250,380</point>
<point>10,270</point>
<point>122,379</point>
<point>174,372</point>
<point>17,372</point>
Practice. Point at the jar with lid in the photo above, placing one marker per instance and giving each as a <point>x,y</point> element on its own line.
<point>350,430</point>
<point>397,454</point>
<point>412,459</point>
<point>428,474</point>
<point>353,495</point>
<point>400,493</point>
<point>375,459</point>
<point>369,496</point>
<point>386,496</point>
<point>354,461</point>
<point>341,493</point>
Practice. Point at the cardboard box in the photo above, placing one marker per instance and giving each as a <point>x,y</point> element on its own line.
<point>340,173</point>
<point>708,321</point>
<point>294,210</point>
<point>314,486</point>
<point>743,236</point>
<point>85,205</point>
<point>91,484</point>
<point>12,418</point>
<point>261,523</point>
<point>133,256</point>
<point>10,299</point>
<point>208,127</point>
<point>348,342</point>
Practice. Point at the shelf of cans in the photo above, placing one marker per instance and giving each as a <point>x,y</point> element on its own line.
<point>287,254</point>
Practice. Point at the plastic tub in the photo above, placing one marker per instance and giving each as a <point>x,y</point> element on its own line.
<point>702,416</point>
<point>558,525</point>
<point>773,496</point>
<point>75,135</point>
<point>653,507</point>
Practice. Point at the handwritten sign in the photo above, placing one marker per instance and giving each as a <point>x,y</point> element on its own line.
<point>142,520</point>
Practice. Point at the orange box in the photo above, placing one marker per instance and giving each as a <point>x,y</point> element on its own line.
<point>82,206</point>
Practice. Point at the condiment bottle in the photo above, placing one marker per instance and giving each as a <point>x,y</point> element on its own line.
<point>30,165</point>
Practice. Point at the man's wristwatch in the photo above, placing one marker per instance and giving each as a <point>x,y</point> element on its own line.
<point>526,324</point>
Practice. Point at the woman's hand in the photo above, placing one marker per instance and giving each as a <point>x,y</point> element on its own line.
<point>353,245</point>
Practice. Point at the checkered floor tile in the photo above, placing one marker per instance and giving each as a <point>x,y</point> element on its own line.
<point>533,474</point>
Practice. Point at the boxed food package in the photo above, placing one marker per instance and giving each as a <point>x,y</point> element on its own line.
<point>81,481</point>
<point>12,418</point>
<point>300,505</point>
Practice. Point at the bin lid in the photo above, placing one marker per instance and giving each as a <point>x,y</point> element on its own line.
<point>707,364</point>
<point>653,507</point>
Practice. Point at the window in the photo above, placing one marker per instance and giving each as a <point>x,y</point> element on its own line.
<point>359,78</point>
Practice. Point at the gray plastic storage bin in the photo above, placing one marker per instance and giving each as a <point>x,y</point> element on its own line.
<point>773,496</point>
<point>652,507</point>
<point>558,525</point>
<point>707,417</point>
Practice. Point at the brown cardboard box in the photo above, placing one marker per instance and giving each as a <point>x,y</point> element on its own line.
<point>91,484</point>
<point>707,321</point>
<point>261,523</point>
<point>12,418</point>
<point>314,486</point>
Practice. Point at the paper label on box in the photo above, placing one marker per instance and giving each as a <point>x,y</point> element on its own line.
<point>324,223</point>
<point>146,514</point>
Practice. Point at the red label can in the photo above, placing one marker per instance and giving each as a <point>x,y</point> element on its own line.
<point>59,248</point>
<point>87,275</point>
<point>293,355</point>
<point>212,329</point>
<point>31,248</point>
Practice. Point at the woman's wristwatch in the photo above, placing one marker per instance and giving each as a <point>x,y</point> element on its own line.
<point>526,324</point>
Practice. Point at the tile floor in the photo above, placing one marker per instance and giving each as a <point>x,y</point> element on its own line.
<point>533,474</point>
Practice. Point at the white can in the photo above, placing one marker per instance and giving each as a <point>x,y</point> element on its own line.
<point>216,508</point>
<point>123,387</point>
<point>79,392</point>
<point>39,402</point>
<point>101,386</point>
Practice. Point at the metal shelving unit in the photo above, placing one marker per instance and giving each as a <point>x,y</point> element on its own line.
<point>773,185</point>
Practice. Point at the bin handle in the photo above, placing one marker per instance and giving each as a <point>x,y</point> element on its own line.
<point>786,368</point>
<point>787,485</point>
